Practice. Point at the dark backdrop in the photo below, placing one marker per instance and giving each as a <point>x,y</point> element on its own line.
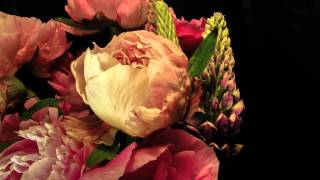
<point>276,51</point>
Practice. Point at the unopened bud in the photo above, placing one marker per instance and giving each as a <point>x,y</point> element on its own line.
<point>227,100</point>
<point>224,81</point>
<point>3,99</point>
<point>223,123</point>
<point>207,130</point>
<point>215,104</point>
<point>14,87</point>
<point>236,94</point>
<point>11,89</point>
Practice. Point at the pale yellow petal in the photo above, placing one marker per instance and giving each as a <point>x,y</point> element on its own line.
<point>77,69</point>
<point>125,88</point>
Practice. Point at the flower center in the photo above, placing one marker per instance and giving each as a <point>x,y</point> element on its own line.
<point>133,54</point>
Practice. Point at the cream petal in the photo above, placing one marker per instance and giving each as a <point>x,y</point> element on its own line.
<point>126,90</point>
<point>77,69</point>
<point>94,64</point>
<point>142,121</point>
<point>89,129</point>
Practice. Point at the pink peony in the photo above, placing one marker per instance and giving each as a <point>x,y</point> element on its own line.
<point>168,154</point>
<point>12,122</point>
<point>45,153</point>
<point>138,83</point>
<point>190,34</point>
<point>128,13</point>
<point>22,38</point>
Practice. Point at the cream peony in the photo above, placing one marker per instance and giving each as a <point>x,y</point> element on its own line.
<point>138,83</point>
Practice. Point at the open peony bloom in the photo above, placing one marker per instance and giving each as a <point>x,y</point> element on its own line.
<point>166,155</point>
<point>22,39</point>
<point>45,153</point>
<point>128,13</point>
<point>11,123</point>
<point>138,83</point>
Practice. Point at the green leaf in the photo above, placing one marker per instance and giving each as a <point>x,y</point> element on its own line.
<point>70,22</point>
<point>202,55</point>
<point>103,152</point>
<point>49,102</point>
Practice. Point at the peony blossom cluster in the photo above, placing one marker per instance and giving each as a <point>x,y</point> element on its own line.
<point>128,109</point>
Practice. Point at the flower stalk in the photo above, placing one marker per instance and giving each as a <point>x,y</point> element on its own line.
<point>160,20</point>
<point>221,106</point>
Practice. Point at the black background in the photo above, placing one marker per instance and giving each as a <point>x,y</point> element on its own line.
<point>276,49</point>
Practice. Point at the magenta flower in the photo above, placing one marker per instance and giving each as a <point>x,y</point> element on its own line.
<point>190,33</point>
<point>168,154</point>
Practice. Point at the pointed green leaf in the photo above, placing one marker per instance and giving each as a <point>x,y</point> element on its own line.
<point>103,152</point>
<point>49,102</point>
<point>202,55</point>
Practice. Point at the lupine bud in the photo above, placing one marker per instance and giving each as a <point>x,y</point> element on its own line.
<point>236,125</point>
<point>224,81</point>
<point>215,104</point>
<point>212,68</point>
<point>236,94</point>
<point>231,85</point>
<point>238,108</point>
<point>207,130</point>
<point>223,123</point>
<point>227,100</point>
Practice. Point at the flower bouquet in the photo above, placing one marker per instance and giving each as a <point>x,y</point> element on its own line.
<point>153,97</point>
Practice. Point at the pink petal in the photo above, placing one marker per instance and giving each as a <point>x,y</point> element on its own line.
<point>20,37</point>
<point>143,156</point>
<point>30,102</point>
<point>13,176</point>
<point>8,126</point>
<point>156,169</point>
<point>52,43</point>
<point>208,163</point>
<point>60,89</point>
<point>184,165</point>
<point>18,146</point>
<point>39,170</point>
<point>114,169</point>
<point>10,122</point>
<point>79,9</point>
